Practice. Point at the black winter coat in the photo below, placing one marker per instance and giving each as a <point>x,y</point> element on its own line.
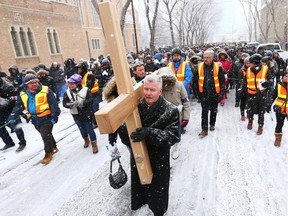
<point>6,104</point>
<point>48,81</point>
<point>162,121</point>
<point>209,90</point>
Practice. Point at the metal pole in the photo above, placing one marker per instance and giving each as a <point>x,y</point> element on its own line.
<point>134,25</point>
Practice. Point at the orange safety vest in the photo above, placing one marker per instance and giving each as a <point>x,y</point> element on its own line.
<point>281,100</point>
<point>253,81</point>
<point>244,72</point>
<point>41,102</point>
<point>215,75</point>
<point>180,76</point>
<point>95,88</point>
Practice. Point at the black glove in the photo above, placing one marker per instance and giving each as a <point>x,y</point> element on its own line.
<point>220,97</point>
<point>268,109</point>
<point>265,84</point>
<point>139,134</point>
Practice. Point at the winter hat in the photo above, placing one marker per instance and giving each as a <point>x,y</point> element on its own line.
<point>246,60</point>
<point>42,71</point>
<point>137,64</point>
<point>75,78</point>
<point>30,78</point>
<point>29,71</point>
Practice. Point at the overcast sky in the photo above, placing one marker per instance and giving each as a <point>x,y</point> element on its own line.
<point>231,19</point>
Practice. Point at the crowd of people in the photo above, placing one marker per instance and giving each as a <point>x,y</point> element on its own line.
<point>171,78</point>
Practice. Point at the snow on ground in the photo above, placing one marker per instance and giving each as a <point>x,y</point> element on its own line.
<point>232,171</point>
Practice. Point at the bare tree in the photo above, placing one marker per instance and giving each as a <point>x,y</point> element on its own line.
<point>123,15</point>
<point>170,6</point>
<point>151,24</point>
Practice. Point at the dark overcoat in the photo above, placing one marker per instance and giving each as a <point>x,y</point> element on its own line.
<point>162,121</point>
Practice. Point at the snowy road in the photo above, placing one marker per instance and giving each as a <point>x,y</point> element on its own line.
<point>232,171</point>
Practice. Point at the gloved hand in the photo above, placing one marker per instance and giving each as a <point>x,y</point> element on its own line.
<point>265,84</point>
<point>268,109</point>
<point>54,120</point>
<point>78,104</point>
<point>139,134</point>
<point>14,98</point>
<point>220,97</point>
<point>185,122</point>
<point>114,153</point>
<point>71,104</point>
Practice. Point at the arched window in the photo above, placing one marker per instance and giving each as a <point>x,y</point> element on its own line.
<point>15,40</point>
<point>31,41</point>
<point>56,41</point>
<point>24,42</point>
<point>50,41</point>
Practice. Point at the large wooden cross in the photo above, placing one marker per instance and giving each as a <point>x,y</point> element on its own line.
<point>125,106</point>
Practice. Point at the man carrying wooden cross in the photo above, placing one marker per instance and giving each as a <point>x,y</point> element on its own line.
<point>160,126</point>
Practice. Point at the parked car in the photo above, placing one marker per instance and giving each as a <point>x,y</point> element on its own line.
<point>274,47</point>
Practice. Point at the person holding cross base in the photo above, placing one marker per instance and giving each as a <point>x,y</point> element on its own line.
<point>160,130</point>
<point>42,108</point>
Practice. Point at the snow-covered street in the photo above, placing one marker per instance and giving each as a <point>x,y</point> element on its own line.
<point>232,171</point>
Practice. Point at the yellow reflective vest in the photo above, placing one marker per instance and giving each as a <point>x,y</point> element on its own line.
<point>215,75</point>
<point>281,100</point>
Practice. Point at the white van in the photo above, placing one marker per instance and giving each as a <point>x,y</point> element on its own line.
<point>274,47</point>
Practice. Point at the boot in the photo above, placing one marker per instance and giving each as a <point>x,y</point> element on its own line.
<point>7,146</point>
<point>87,142</point>
<point>212,127</point>
<point>94,146</point>
<point>203,133</point>
<point>250,123</point>
<point>242,118</point>
<point>175,151</point>
<point>55,149</point>
<point>47,158</point>
<point>20,148</point>
<point>278,138</point>
<point>260,129</point>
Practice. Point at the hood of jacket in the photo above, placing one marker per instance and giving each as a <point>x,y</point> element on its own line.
<point>168,78</point>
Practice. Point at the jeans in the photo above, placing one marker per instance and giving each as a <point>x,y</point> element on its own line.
<point>85,127</point>
<point>4,134</point>
<point>61,89</point>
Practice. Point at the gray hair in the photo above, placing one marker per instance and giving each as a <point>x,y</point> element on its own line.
<point>209,52</point>
<point>153,78</point>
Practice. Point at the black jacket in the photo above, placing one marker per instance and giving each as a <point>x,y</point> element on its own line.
<point>162,122</point>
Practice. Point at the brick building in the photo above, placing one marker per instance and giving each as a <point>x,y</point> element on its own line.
<point>43,31</point>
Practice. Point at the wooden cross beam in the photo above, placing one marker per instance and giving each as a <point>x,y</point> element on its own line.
<point>125,106</point>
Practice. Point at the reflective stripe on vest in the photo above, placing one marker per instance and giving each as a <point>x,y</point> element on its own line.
<point>244,72</point>
<point>253,81</point>
<point>281,100</point>
<point>215,75</point>
<point>180,73</point>
<point>41,102</point>
<point>84,83</point>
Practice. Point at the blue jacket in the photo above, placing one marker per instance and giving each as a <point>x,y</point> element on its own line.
<point>187,75</point>
<point>53,105</point>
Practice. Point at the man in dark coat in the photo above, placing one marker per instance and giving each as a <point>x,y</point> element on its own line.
<point>8,95</point>
<point>160,126</point>
<point>15,77</point>
<point>211,87</point>
<point>258,80</point>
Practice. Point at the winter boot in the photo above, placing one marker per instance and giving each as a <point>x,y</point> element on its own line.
<point>87,142</point>
<point>212,127</point>
<point>94,146</point>
<point>55,149</point>
<point>260,129</point>
<point>203,133</point>
<point>47,158</point>
<point>7,146</point>
<point>20,148</point>
<point>175,151</point>
<point>278,138</point>
<point>250,123</point>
